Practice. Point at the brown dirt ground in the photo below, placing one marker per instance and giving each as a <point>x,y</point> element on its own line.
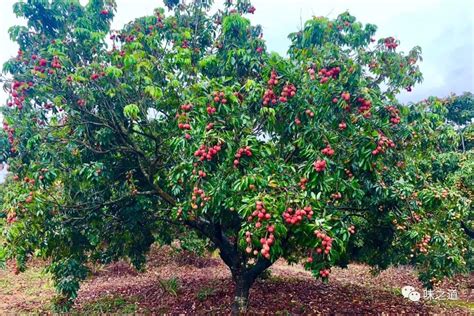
<point>203,285</point>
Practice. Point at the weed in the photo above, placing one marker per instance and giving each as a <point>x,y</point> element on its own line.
<point>204,293</point>
<point>171,286</point>
<point>109,304</point>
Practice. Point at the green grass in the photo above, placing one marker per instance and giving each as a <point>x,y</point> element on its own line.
<point>31,289</point>
<point>117,305</point>
<point>5,285</point>
<point>171,286</point>
<point>204,293</point>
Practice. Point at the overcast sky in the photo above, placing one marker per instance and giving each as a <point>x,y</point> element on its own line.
<point>443,28</point>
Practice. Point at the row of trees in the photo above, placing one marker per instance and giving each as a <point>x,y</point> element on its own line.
<point>184,127</point>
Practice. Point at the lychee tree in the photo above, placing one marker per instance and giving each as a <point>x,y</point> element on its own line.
<point>182,125</point>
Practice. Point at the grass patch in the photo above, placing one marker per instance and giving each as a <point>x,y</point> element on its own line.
<point>5,285</point>
<point>33,281</point>
<point>36,282</point>
<point>103,305</point>
<point>171,286</point>
<point>204,293</point>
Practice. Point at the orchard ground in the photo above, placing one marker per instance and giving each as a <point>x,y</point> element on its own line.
<point>183,283</point>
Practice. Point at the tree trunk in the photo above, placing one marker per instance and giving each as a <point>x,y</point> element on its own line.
<point>241,293</point>
<point>236,260</point>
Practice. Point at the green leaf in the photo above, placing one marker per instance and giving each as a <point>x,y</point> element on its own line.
<point>131,111</point>
<point>155,92</point>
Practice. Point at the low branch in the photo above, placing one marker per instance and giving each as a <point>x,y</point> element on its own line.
<point>467,230</point>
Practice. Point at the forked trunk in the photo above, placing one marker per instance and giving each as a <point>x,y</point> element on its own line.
<point>243,276</point>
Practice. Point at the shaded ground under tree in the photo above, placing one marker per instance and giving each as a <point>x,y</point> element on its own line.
<point>183,283</point>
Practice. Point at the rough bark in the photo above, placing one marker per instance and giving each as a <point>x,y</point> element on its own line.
<point>243,279</point>
<point>242,283</point>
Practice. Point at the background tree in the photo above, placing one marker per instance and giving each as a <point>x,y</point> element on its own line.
<point>461,114</point>
<point>185,121</point>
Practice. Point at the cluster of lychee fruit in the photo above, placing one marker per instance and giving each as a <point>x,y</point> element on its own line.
<point>273,81</point>
<point>328,151</point>
<point>364,107</point>
<point>336,196</point>
<point>348,173</point>
<point>244,151</point>
<point>342,126</point>
<point>303,182</point>
<point>185,44</point>
<point>123,37</point>
<point>43,171</point>
<point>207,153</point>
<point>11,217</point>
<point>183,122</point>
<point>326,74</point>
<point>199,194</point>
<point>269,96</point>
<point>288,91</point>
<point>18,93</point>
<point>186,107</point>
<point>41,64</point>
<point>97,76</point>
<point>184,126</point>
<point>312,73</point>
<point>130,183</point>
<point>81,102</point>
<point>266,242</point>
<point>10,132</point>
<point>295,216</point>
<point>55,63</point>
<point>394,114</point>
<point>200,173</point>
<point>29,198</point>
<point>319,165</point>
<point>416,217</point>
<point>424,244</point>
<point>260,214</point>
<point>210,109</point>
<point>219,97</point>
<point>390,43</point>
<point>326,242</point>
<point>382,145</point>
<point>351,229</point>
<point>209,126</point>
<point>324,273</point>
<point>309,113</point>
<point>346,96</point>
